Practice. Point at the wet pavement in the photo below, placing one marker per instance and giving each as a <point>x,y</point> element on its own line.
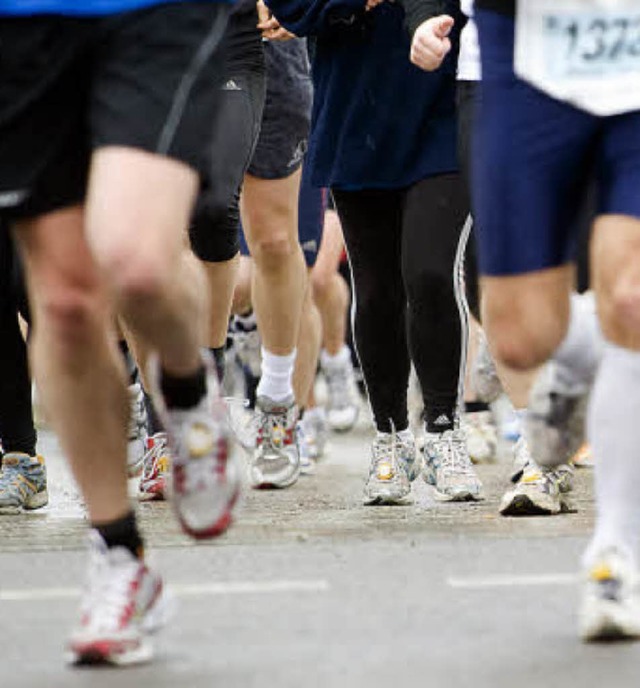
<point>310,588</point>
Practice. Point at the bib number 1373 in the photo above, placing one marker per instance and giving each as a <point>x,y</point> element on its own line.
<point>585,52</point>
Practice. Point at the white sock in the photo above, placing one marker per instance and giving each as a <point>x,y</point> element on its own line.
<point>315,412</point>
<point>277,373</point>
<point>613,429</point>
<point>329,361</point>
<point>578,356</point>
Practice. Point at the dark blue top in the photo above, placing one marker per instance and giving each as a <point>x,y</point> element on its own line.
<point>378,121</point>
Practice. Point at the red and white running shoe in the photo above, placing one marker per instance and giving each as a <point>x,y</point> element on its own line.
<point>206,476</point>
<point>122,605</point>
<point>154,484</point>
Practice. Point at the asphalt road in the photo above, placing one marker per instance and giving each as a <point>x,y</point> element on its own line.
<point>312,589</point>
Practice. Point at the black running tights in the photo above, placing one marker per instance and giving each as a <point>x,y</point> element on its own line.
<point>405,249</point>
<point>17,431</point>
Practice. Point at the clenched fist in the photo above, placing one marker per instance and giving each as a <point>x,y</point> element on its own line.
<point>430,43</point>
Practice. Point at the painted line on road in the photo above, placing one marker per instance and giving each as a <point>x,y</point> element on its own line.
<point>508,581</point>
<point>187,590</point>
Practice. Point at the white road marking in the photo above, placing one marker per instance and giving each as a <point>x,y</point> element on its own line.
<point>186,590</point>
<point>508,581</point>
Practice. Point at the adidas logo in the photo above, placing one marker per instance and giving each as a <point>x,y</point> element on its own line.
<point>311,245</point>
<point>231,85</point>
<point>442,420</point>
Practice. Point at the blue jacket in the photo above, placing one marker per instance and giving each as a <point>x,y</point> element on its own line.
<point>378,121</point>
<point>75,7</point>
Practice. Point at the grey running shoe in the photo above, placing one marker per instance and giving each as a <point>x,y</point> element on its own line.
<point>206,476</point>
<point>482,437</point>
<point>610,607</point>
<point>448,468</point>
<point>484,376</point>
<point>555,422</point>
<point>23,483</point>
<point>247,344</point>
<point>316,433</point>
<point>539,492</point>
<point>343,403</point>
<point>137,430</point>
<point>276,459</point>
<point>394,465</point>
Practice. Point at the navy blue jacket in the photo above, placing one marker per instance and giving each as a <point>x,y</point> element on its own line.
<point>378,121</point>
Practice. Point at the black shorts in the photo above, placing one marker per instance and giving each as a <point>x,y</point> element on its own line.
<point>284,134</point>
<point>147,79</point>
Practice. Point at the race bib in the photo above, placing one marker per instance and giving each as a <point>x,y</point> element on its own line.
<point>583,52</point>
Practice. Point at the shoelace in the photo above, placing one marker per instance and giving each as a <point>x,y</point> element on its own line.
<point>136,416</point>
<point>108,591</point>
<point>154,454</point>
<point>454,456</point>
<point>270,425</point>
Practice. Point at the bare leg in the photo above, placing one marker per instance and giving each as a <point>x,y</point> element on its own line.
<point>76,359</point>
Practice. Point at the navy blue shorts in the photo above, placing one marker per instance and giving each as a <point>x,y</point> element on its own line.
<point>312,205</point>
<point>534,159</point>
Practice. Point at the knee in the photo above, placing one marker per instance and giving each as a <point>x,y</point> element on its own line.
<point>621,307</point>
<point>273,250</point>
<point>135,275</point>
<point>70,313</point>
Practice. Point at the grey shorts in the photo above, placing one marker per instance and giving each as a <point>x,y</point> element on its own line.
<point>284,133</point>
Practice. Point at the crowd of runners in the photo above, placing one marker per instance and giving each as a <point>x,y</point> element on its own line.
<point>194,196</point>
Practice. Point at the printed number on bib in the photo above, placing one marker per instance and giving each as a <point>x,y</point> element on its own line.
<point>583,52</point>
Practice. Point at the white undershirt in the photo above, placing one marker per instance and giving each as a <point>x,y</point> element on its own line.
<point>469,60</point>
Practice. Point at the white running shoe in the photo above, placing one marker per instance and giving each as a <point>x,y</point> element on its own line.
<point>555,421</point>
<point>137,430</point>
<point>482,437</point>
<point>343,403</point>
<point>316,431</point>
<point>276,459</point>
<point>448,468</point>
<point>484,376</point>
<point>307,461</point>
<point>156,471</point>
<point>610,598</point>
<point>122,605</point>
<point>539,492</point>
<point>395,464</point>
<point>206,476</point>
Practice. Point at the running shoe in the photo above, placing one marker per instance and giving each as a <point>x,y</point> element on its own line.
<point>484,375</point>
<point>122,605</point>
<point>539,492</point>
<point>394,466</point>
<point>137,430</point>
<point>247,344</point>
<point>555,424</point>
<point>522,459</point>
<point>316,432</point>
<point>307,462</point>
<point>23,483</point>
<point>206,476</point>
<point>154,484</point>
<point>583,458</point>
<point>276,460</point>
<point>448,468</point>
<point>482,438</point>
<point>610,598</point>
<point>343,403</point>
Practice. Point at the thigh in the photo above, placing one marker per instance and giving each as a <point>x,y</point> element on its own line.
<point>215,226</point>
<point>372,226</point>
<point>533,157</point>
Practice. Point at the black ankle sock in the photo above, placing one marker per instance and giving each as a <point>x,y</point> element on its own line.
<point>475,406</point>
<point>440,418</point>
<point>184,392</point>
<point>220,361</point>
<point>122,533</point>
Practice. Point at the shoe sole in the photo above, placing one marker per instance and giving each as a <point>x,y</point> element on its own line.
<point>606,628</point>
<point>459,497</point>
<point>37,501</point>
<point>523,505</point>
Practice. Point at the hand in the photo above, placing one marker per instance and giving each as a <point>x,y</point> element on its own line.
<point>270,26</point>
<point>430,43</point>
<point>371,4</point>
